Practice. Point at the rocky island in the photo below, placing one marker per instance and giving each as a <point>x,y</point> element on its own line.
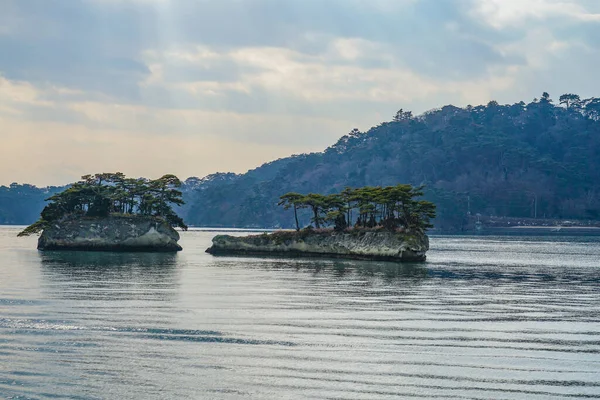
<point>111,233</point>
<point>108,212</point>
<point>362,245</point>
<point>390,226</point>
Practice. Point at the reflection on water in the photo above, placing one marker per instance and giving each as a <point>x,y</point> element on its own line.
<point>340,268</point>
<point>484,318</point>
<point>116,276</point>
<point>106,260</point>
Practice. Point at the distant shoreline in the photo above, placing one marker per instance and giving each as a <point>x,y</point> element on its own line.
<point>517,230</point>
<point>528,231</point>
<point>487,231</point>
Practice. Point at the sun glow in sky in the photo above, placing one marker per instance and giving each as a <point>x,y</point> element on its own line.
<point>149,87</point>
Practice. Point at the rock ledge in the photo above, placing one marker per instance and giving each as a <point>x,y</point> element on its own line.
<point>366,245</point>
<point>112,233</point>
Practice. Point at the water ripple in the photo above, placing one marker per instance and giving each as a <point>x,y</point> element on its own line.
<point>484,318</point>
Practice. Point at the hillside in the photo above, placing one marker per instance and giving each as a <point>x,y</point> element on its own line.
<point>21,204</point>
<point>540,159</point>
<point>535,160</point>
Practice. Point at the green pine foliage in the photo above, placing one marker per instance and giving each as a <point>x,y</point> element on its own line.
<point>105,194</point>
<point>391,208</point>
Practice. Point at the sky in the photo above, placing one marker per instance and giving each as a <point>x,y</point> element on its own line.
<point>149,87</point>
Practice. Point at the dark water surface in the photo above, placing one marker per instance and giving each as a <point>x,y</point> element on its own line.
<point>484,318</point>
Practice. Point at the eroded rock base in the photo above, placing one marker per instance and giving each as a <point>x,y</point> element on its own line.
<point>363,245</point>
<point>113,233</point>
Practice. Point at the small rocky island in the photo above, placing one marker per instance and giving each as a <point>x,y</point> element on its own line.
<point>111,233</point>
<point>361,245</point>
<point>390,225</point>
<point>109,212</point>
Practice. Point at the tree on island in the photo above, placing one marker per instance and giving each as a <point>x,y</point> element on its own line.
<point>105,194</point>
<point>294,200</point>
<point>391,208</point>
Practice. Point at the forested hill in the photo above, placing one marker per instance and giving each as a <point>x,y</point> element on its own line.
<point>21,204</point>
<point>521,160</point>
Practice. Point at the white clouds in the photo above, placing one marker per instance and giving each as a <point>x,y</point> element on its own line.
<point>141,141</point>
<point>506,13</point>
<point>267,76</point>
<point>18,93</point>
<point>68,151</point>
<point>334,76</point>
<point>15,96</point>
<point>85,136</point>
<point>353,49</point>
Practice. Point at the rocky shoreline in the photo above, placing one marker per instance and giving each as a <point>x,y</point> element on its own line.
<point>359,244</point>
<point>112,233</point>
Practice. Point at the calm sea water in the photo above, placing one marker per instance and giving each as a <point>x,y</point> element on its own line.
<point>484,318</point>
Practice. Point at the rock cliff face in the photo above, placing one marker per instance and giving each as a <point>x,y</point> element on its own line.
<point>358,245</point>
<point>113,233</point>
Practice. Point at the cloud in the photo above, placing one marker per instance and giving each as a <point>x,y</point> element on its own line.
<point>72,150</point>
<point>503,13</point>
<point>267,76</point>
<point>96,45</point>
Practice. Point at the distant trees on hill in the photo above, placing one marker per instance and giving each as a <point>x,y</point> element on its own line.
<point>525,160</point>
<point>20,204</point>
<point>390,207</point>
<point>529,159</point>
<point>103,194</point>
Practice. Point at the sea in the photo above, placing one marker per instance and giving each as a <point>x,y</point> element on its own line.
<point>486,317</point>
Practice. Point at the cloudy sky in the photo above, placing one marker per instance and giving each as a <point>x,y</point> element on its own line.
<point>149,87</point>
